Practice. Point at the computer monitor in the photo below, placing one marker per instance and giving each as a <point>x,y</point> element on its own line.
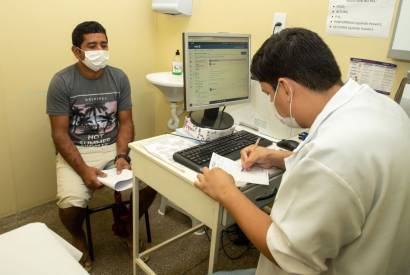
<point>216,73</point>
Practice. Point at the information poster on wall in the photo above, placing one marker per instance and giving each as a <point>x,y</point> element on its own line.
<point>360,17</point>
<point>376,74</point>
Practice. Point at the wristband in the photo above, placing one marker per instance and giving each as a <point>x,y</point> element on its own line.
<point>122,156</point>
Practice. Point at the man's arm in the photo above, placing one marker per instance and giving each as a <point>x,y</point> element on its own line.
<point>67,149</point>
<point>254,222</point>
<point>125,136</point>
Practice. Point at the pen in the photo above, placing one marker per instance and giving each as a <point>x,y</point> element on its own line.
<point>254,146</point>
<point>257,142</point>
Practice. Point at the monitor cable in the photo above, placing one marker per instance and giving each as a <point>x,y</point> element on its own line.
<point>242,240</point>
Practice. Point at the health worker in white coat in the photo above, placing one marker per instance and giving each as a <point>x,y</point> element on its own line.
<point>343,206</point>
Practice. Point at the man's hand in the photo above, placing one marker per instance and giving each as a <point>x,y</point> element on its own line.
<point>216,183</point>
<point>259,156</point>
<point>121,164</point>
<point>262,157</point>
<point>89,176</point>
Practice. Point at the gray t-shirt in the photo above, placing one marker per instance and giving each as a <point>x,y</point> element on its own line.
<point>92,105</point>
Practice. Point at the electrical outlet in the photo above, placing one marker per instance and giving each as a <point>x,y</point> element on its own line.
<point>279,22</point>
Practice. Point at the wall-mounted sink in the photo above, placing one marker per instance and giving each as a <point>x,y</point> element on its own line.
<point>172,86</point>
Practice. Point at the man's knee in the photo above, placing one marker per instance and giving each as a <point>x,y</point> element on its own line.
<point>68,201</point>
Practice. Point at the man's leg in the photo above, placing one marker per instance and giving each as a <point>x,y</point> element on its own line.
<point>73,219</point>
<point>73,197</point>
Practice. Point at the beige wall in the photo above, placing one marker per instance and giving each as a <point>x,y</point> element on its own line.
<point>255,17</point>
<point>35,44</point>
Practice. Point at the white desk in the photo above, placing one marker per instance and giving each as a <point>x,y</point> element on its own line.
<point>37,250</point>
<point>177,186</point>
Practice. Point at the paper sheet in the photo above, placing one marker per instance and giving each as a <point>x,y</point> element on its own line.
<point>360,18</point>
<point>165,146</point>
<point>256,175</point>
<point>119,182</point>
<point>378,75</point>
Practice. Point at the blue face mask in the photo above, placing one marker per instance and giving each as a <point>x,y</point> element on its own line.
<point>289,121</point>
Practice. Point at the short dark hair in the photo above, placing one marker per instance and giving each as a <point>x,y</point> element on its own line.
<point>298,54</point>
<point>86,27</point>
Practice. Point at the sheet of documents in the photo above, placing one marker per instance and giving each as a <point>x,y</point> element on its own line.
<point>120,182</point>
<point>378,75</point>
<point>165,146</point>
<point>256,175</point>
<point>360,18</point>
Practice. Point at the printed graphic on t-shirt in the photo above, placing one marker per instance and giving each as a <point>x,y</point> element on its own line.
<point>93,119</point>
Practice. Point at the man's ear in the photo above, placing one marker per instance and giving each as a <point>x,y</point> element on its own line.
<point>77,53</point>
<point>287,86</point>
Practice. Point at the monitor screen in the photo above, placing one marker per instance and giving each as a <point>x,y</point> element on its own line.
<point>216,69</point>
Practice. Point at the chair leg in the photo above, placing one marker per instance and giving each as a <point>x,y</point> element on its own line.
<point>89,237</point>
<point>147,226</point>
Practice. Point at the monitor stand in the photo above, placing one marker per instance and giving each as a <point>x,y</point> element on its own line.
<point>212,119</point>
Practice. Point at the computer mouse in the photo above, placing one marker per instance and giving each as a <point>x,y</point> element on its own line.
<point>288,144</point>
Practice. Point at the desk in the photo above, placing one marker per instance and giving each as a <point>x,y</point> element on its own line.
<point>35,249</point>
<point>177,186</point>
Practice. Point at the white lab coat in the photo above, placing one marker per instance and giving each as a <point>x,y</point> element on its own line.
<point>343,206</point>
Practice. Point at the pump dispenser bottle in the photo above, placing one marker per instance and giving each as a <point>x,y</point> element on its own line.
<point>177,64</point>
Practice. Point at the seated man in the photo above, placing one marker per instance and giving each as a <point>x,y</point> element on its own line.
<point>89,105</point>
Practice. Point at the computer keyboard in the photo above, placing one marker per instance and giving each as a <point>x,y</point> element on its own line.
<point>229,146</point>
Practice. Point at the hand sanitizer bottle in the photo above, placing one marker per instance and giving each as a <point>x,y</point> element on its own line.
<point>177,64</point>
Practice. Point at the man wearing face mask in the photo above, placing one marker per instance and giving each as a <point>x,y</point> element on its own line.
<point>89,105</point>
<point>343,204</point>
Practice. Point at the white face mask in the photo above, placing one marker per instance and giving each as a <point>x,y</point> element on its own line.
<point>289,121</point>
<point>96,60</point>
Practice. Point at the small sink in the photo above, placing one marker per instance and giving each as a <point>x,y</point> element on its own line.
<point>172,86</point>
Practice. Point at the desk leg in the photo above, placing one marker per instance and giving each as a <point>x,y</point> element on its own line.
<point>215,237</point>
<point>135,224</point>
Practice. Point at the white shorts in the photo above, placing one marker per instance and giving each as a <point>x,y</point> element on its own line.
<point>71,190</point>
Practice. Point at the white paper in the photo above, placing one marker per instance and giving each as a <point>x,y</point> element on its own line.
<point>165,146</point>
<point>256,175</point>
<point>119,182</point>
<point>378,75</point>
<point>360,17</point>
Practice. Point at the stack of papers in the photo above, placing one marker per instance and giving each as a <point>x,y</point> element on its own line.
<point>256,175</point>
<point>165,146</point>
<point>119,182</point>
